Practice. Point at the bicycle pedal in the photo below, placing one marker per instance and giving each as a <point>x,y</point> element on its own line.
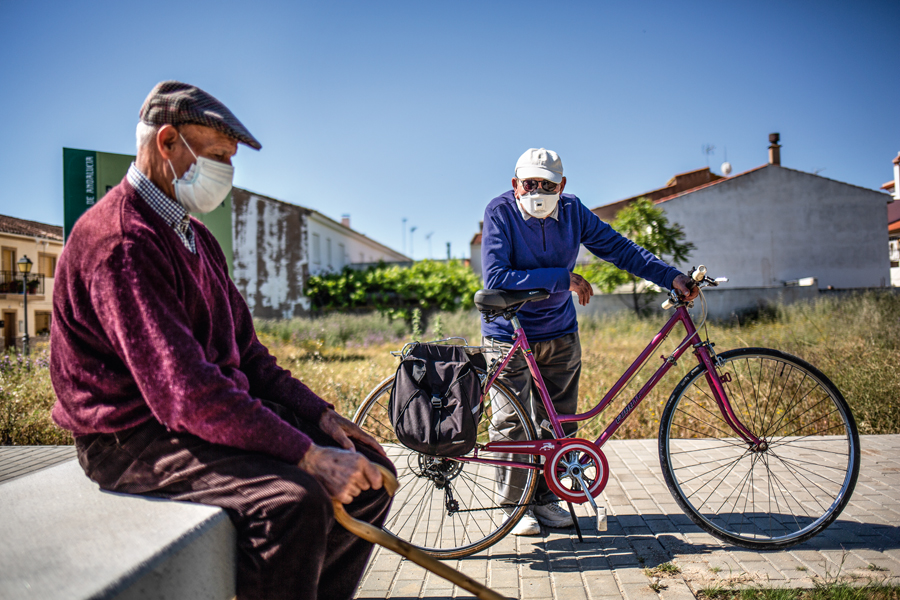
<point>601,518</point>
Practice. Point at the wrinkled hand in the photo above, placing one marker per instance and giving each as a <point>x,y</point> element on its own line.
<point>343,473</point>
<point>342,430</point>
<point>681,285</point>
<point>580,286</point>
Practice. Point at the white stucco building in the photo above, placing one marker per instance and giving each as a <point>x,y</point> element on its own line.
<point>771,226</point>
<point>774,225</point>
<point>277,246</point>
<point>41,244</point>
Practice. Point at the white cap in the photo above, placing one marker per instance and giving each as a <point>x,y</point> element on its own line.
<point>539,163</point>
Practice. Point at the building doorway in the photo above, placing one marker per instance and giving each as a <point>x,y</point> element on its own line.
<point>9,329</point>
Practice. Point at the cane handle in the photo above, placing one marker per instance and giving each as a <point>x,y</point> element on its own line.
<point>387,480</point>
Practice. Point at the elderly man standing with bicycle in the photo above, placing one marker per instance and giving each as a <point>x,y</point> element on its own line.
<point>530,240</point>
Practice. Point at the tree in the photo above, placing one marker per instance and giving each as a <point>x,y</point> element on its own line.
<point>648,227</point>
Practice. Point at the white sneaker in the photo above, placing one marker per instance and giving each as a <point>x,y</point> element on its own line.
<point>527,525</point>
<point>553,515</point>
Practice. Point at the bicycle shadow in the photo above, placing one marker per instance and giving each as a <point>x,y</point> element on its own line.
<point>649,540</point>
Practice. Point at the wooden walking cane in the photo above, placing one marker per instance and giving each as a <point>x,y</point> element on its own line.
<point>383,538</point>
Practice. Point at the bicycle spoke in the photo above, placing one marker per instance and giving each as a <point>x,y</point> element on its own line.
<point>794,483</point>
<point>798,473</point>
<point>738,444</point>
<point>733,465</point>
<point>722,431</point>
<point>420,513</point>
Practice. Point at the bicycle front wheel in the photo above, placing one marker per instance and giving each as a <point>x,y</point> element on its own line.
<point>777,493</point>
<point>450,508</point>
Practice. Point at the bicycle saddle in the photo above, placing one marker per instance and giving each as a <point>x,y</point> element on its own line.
<point>495,302</point>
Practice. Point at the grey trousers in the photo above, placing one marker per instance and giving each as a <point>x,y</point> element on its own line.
<point>559,362</point>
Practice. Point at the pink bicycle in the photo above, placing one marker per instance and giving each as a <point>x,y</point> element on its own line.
<point>757,446</point>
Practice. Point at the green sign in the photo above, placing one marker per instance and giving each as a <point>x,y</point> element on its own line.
<point>218,221</point>
<point>88,175</point>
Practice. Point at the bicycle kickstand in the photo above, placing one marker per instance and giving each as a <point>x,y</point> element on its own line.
<point>575,520</point>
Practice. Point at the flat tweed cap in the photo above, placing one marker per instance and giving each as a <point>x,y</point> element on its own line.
<point>176,103</point>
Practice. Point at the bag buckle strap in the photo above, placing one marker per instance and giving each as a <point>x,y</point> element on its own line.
<point>437,402</point>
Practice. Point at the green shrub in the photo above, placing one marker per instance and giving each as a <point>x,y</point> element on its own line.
<point>26,398</point>
<point>395,291</point>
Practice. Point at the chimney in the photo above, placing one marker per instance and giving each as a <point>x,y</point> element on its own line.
<point>774,150</point>
<point>345,221</point>
<point>897,177</point>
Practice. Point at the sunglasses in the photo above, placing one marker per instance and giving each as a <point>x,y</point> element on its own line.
<point>529,185</point>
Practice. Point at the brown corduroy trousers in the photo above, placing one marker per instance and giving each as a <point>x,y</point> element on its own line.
<point>289,546</point>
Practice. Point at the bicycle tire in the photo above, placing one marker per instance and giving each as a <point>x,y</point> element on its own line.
<point>776,495</point>
<point>419,512</point>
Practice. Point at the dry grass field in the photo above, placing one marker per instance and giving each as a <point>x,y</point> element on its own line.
<point>854,340</point>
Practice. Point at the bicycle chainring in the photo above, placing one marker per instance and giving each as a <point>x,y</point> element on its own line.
<point>576,457</point>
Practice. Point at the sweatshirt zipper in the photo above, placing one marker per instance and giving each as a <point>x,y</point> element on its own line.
<point>543,235</point>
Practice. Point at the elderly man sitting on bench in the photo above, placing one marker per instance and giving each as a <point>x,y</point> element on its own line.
<point>169,393</point>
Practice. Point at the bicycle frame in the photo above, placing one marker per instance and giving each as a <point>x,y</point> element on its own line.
<point>539,447</point>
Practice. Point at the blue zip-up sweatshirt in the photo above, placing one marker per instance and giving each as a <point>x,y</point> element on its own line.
<point>540,253</point>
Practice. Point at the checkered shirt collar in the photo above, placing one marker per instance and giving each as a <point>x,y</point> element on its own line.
<point>171,211</point>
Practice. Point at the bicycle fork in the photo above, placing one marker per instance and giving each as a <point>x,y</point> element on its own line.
<point>708,358</point>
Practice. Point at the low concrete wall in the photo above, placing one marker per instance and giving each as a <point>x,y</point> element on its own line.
<point>63,538</point>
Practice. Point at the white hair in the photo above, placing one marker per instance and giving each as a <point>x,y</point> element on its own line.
<point>145,134</point>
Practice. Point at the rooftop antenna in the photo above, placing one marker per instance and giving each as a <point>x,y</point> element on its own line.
<point>708,149</point>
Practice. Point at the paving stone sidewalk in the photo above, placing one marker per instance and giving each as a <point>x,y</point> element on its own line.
<point>647,529</point>
<point>17,461</point>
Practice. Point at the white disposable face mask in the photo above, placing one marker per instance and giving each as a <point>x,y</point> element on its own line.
<point>539,205</point>
<point>204,186</point>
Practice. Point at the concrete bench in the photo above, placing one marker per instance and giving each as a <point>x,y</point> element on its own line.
<point>61,537</point>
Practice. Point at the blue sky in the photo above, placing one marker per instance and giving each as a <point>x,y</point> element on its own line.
<point>419,110</point>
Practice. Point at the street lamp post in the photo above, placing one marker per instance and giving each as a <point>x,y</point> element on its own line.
<point>24,265</point>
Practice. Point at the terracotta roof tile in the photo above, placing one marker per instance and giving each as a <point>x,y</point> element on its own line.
<point>30,228</point>
<point>712,183</point>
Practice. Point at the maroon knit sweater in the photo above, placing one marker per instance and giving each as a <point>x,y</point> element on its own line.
<point>143,328</point>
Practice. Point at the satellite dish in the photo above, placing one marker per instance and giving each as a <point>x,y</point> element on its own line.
<point>726,169</point>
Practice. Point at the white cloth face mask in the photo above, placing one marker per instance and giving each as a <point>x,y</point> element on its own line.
<point>205,185</point>
<point>539,205</point>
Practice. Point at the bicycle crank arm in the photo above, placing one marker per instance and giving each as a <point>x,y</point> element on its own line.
<point>598,510</point>
<point>383,538</point>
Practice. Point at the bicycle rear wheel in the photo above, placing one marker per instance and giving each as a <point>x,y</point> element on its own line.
<point>777,494</point>
<point>449,508</point>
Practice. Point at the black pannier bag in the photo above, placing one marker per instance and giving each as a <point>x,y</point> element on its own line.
<point>435,403</point>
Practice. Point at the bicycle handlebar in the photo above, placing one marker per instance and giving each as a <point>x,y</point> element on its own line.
<point>697,275</point>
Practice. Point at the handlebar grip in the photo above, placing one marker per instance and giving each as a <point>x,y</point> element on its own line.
<point>699,274</point>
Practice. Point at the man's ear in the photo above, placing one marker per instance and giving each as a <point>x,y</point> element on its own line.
<point>166,138</point>
<point>515,185</point>
<point>562,185</point>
